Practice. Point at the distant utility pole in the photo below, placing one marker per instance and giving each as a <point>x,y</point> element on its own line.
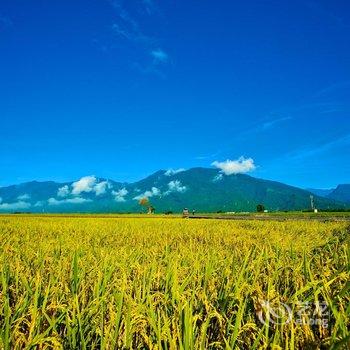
<point>312,202</point>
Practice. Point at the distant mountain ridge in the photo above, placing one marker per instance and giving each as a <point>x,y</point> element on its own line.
<point>320,191</point>
<point>341,193</point>
<point>201,189</point>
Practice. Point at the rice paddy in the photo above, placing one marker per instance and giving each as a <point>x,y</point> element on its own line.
<point>156,283</point>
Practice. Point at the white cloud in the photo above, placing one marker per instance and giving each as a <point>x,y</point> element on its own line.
<point>101,187</point>
<point>147,194</point>
<point>175,186</point>
<point>239,166</point>
<point>154,192</point>
<point>14,206</point>
<point>119,196</point>
<point>218,177</point>
<point>171,172</point>
<point>39,204</point>
<point>85,184</point>
<point>90,184</point>
<point>159,56</point>
<point>23,197</point>
<point>63,191</point>
<point>76,200</point>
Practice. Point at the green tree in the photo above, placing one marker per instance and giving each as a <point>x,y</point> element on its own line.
<point>260,208</point>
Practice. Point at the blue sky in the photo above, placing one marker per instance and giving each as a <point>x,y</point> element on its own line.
<point>120,89</point>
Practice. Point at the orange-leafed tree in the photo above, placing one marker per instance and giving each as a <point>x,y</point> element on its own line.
<point>144,202</point>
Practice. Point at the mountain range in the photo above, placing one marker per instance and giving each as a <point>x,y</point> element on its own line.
<point>201,189</point>
<point>341,193</point>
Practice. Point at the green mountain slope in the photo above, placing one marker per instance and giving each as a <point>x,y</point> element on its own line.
<point>341,193</point>
<point>209,190</point>
<point>202,189</point>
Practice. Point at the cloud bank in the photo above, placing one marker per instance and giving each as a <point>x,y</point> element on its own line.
<point>20,204</point>
<point>148,194</point>
<point>238,166</point>
<point>23,197</point>
<point>119,196</point>
<point>101,187</point>
<point>176,186</point>
<point>86,184</point>
<point>76,200</point>
<point>14,206</point>
<point>63,191</point>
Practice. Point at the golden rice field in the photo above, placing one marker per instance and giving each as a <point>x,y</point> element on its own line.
<point>157,283</point>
